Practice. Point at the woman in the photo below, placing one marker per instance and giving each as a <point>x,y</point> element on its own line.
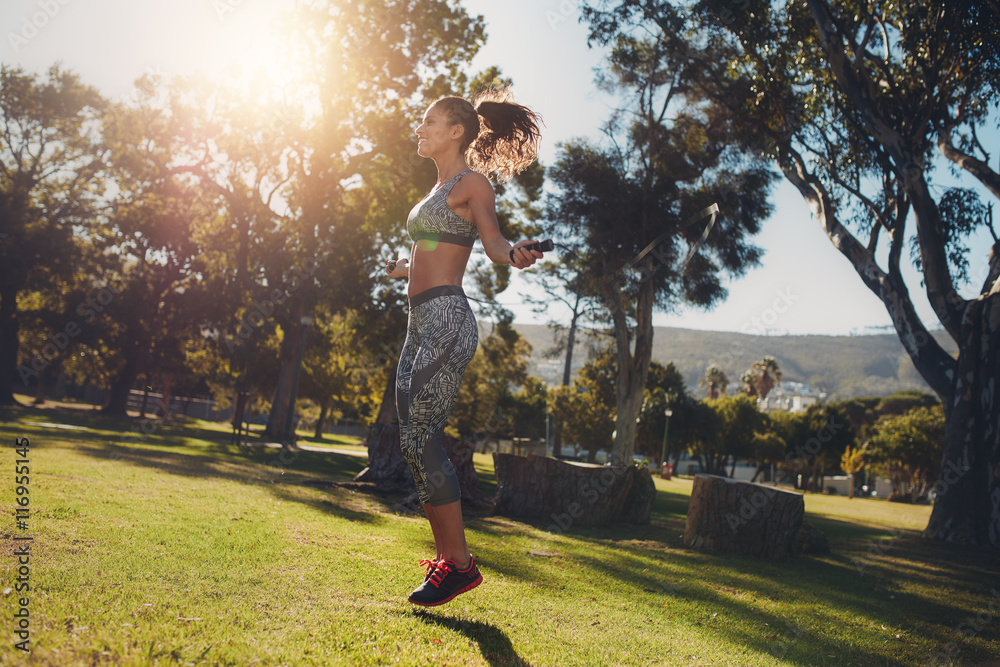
<point>442,334</point>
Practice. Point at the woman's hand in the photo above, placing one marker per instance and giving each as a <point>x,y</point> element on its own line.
<point>521,257</point>
<point>398,268</point>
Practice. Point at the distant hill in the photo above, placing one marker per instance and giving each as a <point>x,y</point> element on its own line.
<point>842,366</point>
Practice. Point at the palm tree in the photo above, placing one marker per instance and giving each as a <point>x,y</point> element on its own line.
<point>714,382</point>
<point>761,378</point>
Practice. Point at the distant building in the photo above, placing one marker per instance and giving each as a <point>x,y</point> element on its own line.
<point>791,397</point>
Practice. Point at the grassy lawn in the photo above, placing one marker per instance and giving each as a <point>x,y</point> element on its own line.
<point>172,546</point>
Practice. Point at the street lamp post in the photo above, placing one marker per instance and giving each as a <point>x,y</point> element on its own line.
<point>666,425</point>
<point>288,439</point>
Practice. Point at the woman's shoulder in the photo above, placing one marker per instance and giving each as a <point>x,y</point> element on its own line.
<point>473,184</point>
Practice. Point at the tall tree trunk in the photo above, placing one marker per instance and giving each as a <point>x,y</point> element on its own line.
<point>967,507</point>
<point>633,368</point>
<point>286,376</point>
<point>40,387</point>
<point>121,386</point>
<point>9,326</point>
<point>324,407</point>
<point>163,408</point>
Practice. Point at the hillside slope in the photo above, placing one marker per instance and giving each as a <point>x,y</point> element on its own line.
<point>842,366</point>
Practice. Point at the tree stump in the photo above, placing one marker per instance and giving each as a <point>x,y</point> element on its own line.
<point>741,518</point>
<point>571,494</point>
<point>388,472</point>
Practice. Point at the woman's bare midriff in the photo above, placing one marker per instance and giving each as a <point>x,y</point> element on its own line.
<point>434,263</point>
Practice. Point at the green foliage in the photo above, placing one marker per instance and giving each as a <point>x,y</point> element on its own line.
<point>664,389</point>
<point>907,448</point>
<point>816,440</point>
<point>585,412</point>
<point>223,213</point>
<point>485,406</point>
<point>50,185</point>
<point>736,424</point>
<point>863,412</point>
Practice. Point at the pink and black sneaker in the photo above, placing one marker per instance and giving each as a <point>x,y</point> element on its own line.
<point>446,582</point>
<point>429,564</point>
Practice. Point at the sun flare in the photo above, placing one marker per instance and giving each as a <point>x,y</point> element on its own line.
<point>251,50</point>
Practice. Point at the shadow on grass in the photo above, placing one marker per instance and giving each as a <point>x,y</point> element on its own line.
<point>193,451</point>
<point>282,475</point>
<point>877,582</point>
<point>494,645</point>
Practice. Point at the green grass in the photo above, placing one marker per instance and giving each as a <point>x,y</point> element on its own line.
<point>179,548</point>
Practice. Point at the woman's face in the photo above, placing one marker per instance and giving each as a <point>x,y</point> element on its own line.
<point>435,134</point>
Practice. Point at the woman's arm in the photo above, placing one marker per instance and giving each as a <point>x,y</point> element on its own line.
<point>483,205</point>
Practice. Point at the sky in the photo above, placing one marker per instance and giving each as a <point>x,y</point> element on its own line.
<point>804,285</point>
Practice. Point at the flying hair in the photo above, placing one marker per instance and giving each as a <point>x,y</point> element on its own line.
<point>501,136</point>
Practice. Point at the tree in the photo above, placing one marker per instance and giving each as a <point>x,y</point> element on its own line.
<point>906,449</point>
<point>864,411</point>
<point>586,411</point>
<point>760,379</point>
<point>852,462</point>
<point>50,164</point>
<point>858,104</point>
<point>484,406</point>
<point>715,382</point>
<point>151,222</point>
<point>768,450</point>
<point>664,390</point>
<point>528,410</point>
<point>740,421</point>
<point>700,430</point>
<point>316,176</point>
<point>666,161</point>
<point>816,440</point>
<point>332,373</point>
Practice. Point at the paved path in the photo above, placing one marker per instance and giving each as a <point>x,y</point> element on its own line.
<point>319,449</point>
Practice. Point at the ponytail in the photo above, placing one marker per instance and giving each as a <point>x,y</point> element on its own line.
<point>505,143</point>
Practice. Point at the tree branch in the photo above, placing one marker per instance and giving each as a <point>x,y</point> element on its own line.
<point>934,364</point>
<point>948,305</point>
<point>976,167</point>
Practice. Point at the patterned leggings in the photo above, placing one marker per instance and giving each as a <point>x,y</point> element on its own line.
<point>441,337</point>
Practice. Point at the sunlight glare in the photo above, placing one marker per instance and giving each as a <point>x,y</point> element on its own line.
<point>250,52</point>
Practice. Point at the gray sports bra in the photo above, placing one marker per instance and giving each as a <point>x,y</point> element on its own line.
<point>432,219</point>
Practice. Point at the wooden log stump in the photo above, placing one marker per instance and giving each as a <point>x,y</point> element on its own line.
<point>571,494</point>
<point>388,472</point>
<point>726,516</point>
